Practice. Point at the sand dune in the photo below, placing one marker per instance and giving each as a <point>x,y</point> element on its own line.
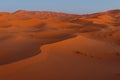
<point>46,45</point>
<point>70,59</point>
<point>23,46</point>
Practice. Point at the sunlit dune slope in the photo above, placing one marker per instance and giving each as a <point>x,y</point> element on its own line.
<point>69,59</point>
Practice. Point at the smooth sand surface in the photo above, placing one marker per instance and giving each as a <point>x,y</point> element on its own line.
<point>60,61</point>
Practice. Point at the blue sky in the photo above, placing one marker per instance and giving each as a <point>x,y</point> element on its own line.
<point>69,6</point>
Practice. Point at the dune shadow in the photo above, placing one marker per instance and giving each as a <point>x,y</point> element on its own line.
<point>15,57</point>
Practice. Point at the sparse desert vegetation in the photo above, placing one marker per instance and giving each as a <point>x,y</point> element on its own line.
<point>117,53</point>
<point>78,52</point>
<point>81,53</point>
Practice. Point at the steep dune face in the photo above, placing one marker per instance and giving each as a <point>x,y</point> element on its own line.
<point>23,32</point>
<point>20,45</point>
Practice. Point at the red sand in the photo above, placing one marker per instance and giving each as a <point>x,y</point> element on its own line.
<point>57,46</point>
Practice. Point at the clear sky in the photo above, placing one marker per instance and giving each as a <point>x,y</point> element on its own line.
<point>69,6</point>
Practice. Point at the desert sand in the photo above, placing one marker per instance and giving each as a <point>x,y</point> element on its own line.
<point>41,45</point>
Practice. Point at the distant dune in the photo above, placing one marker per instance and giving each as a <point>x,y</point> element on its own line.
<point>47,45</point>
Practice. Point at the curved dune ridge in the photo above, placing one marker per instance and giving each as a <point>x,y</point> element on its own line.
<point>22,33</point>
<point>72,59</point>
